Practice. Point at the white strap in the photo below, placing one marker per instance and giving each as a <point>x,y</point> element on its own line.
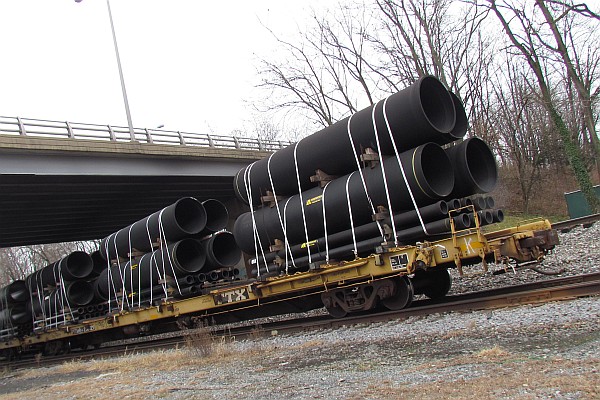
<point>362,178</point>
<point>287,245</point>
<point>131,263</point>
<point>412,197</point>
<point>257,242</point>
<point>281,222</point>
<point>301,201</point>
<point>385,182</point>
<point>166,249</point>
<point>351,216</point>
<point>325,224</point>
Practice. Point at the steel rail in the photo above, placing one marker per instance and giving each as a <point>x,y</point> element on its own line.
<point>585,221</point>
<point>17,126</point>
<point>531,293</point>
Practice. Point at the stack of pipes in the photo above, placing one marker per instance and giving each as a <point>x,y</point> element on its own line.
<point>58,289</point>
<point>380,176</point>
<point>164,254</point>
<point>13,307</point>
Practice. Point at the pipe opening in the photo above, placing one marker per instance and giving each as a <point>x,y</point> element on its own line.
<point>190,215</point>
<point>433,170</point>
<point>437,104</point>
<point>216,215</point>
<point>498,215</point>
<point>80,293</point>
<point>482,165</point>
<point>189,255</point>
<point>78,264</point>
<point>225,251</point>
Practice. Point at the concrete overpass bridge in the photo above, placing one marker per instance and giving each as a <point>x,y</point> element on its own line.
<point>62,181</point>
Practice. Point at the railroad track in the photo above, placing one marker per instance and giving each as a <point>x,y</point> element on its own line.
<point>530,293</point>
<point>587,221</point>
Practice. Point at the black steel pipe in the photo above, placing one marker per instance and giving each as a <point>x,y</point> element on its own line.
<point>474,167</point>
<point>180,258</point>
<point>79,293</point>
<point>423,112</point>
<point>366,247</point>
<point>221,250</point>
<point>186,281</point>
<point>99,262</point>
<point>187,292</point>
<point>432,212</point>
<point>77,265</point>
<point>498,215</point>
<point>17,314</point>
<point>217,217</point>
<point>429,174</point>
<point>14,292</point>
<point>183,218</point>
<point>462,123</point>
<point>485,217</point>
<point>215,275</point>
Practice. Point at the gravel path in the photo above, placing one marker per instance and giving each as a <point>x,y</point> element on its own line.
<point>528,352</point>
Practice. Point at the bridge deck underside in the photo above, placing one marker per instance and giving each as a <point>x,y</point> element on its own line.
<point>57,208</point>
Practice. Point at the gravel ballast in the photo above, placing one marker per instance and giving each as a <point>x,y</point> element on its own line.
<point>544,351</point>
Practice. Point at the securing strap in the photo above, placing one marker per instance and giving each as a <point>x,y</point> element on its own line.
<point>385,183</point>
<point>351,216</point>
<point>301,200</point>
<point>257,242</point>
<point>281,220</point>
<point>412,197</point>
<point>362,178</point>
<point>287,245</point>
<point>325,224</point>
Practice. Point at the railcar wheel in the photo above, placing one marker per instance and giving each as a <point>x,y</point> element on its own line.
<point>440,284</point>
<point>402,297</point>
<point>336,312</point>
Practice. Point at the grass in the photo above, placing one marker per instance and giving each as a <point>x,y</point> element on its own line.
<point>514,219</point>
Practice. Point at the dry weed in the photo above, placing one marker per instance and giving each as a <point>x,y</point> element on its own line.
<point>512,378</point>
<point>492,353</point>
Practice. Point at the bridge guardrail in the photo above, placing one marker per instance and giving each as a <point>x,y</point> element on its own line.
<point>17,126</point>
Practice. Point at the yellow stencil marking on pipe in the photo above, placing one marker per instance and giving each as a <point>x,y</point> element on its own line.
<point>314,200</point>
<point>311,243</point>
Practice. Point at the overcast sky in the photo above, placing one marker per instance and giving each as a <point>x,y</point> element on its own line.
<point>188,64</point>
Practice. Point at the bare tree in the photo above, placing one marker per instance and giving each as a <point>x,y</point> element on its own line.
<point>524,131</point>
<point>326,74</point>
<point>583,73</point>
<point>523,35</point>
<point>18,262</point>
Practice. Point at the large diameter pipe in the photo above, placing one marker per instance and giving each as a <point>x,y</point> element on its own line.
<point>17,314</point>
<point>462,122</point>
<point>185,217</point>
<point>367,246</point>
<point>222,251</point>
<point>79,293</point>
<point>14,292</point>
<point>100,263</point>
<point>429,175</point>
<point>77,265</point>
<point>216,217</point>
<point>180,258</point>
<point>432,212</point>
<point>423,112</point>
<point>474,167</point>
